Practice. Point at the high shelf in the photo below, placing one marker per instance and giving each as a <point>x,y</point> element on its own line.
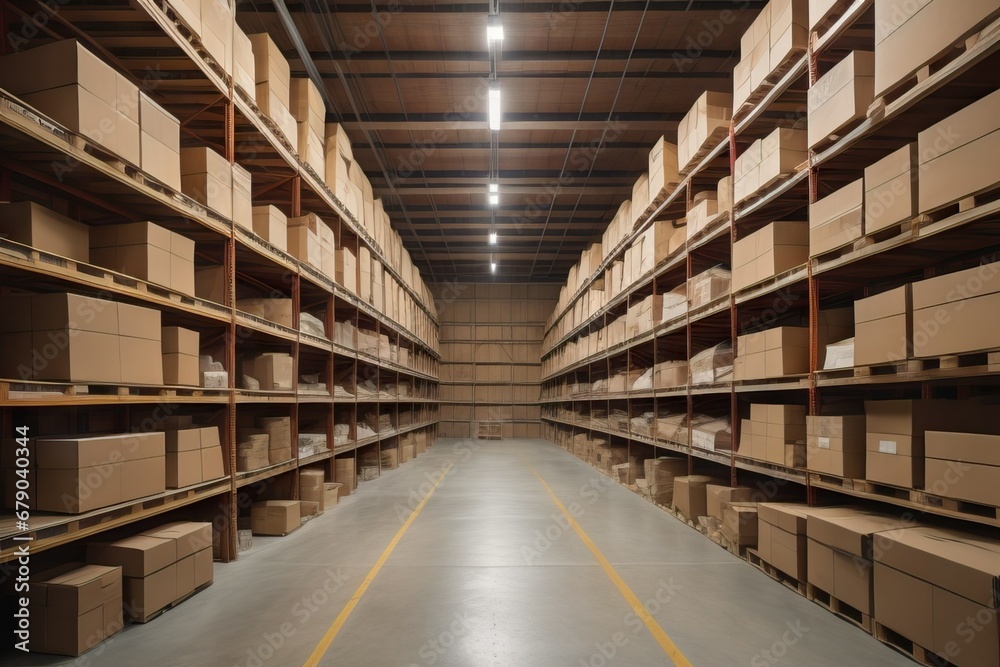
<point>590,367</point>
<point>368,364</point>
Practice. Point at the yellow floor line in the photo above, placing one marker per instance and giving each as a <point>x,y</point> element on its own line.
<point>640,610</point>
<point>341,619</point>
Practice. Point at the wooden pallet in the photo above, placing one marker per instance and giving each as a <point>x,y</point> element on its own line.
<point>908,647</point>
<point>788,581</point>
<point>933,501</point>
<point>839,608</point>
<point>174,604</point>
<point>714,139</point>
<point>770,82</point>
<point>765,190</point>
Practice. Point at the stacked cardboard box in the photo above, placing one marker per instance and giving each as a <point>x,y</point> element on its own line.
<point>271,224</point>
<point>273,83</point>
<point>661,474</point>
<point>312,492</point>
<point>709,286</point>
<point>181,348</point>
<point>782,538</point>
<point>706,123</point>
<point>949,312</point>
<point>779,247</point>
<point>193,455</point>
<point>309,111</point>
<point>963,466</point>
<point>938,588</point>
<point>663,169</point>
<point>718,496</point>
<point>242,198</point>
<point>147,251</point>
<point>244,66</point>
<point>78,90</point>
<point>883,325</point>
<point>160,143</point>
<point>33,225</point>
<point>252,450</point>
<point>277,310</point>
<point>643,316</point>
<point>779,32</point>
<point>953,168</point>
<point>207,177</point>
<point>703,213</point>
<point>740,524</point>
<point>279,438</point>
<point>836,445</point>
<point>837,219</point>
<point>773,353</point>
<point>637,205</point>
<point>910,35</point>
<point>775,434</point>
<point>339,161</point>
<point>842,96</point>
<point>713,434</point>
<point>218,24</point>
<point>75,607</point>
<point>668,374</point>
<point>891,189</point>
<point>344,473</point>
<point>305,242</point>
<point>275,517</point>
<point>691,495</point>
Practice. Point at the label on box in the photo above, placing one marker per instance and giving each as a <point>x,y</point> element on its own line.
<point>823,443</point>
<point>887,446</point>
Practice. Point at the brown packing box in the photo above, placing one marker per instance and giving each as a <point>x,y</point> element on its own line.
<point>306,104</point>
<point>929,582</point>
<point>782,152</point>
<point>956,154</point>
<point>948,312</point>
<point>663,168</point>
<point>274,517</point>
<point>55,65</point>
<point>183,469</point>
<point>305,246</point>
<point>217,28</point>
<point>75,607</point>
<point>837,219</point>
<point>278,311</point>
<point>841,96</point>
<point>782,541</point>
<point>33,225</point>
<point>739,523</point>
<point>189,537</point>
<point>271,224</point>
<point>193,571</point>
<point>344,473</point>
<point>311,486</point>
<point>891,187</point>
<point>145,596</point>
<point>160,142</point>
<point>242,198</point>
<point>180,356</point>
<point>331,493</point>
<point>207,177</point>
<point>690,495</point>
<point>882,327</point>
<point>963,466</point>
<point>836,445</point>
<point>717,496</point>
<point>212,466</point>
<point>210,283</point>
<point>270,65</point>
<point>139,556</point>
<point>139,344</point>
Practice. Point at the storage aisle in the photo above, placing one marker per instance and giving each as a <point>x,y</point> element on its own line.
<point>489,574</point>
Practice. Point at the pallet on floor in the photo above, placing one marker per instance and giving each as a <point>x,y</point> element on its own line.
<point>839,608</point>
<point>174,604</point>
<point>908,647</point>
<point>788,581</point>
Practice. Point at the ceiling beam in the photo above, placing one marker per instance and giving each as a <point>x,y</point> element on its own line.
<point>554,9</point>
<point>414,190</point>
<point>510,146</point>
<point>605,55</point>
<point>480,123</point>
<point>634,74</point>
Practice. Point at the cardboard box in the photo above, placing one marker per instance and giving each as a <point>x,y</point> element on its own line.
<point>244,66</point>
<point>274,372</point>
<point>77,337</point>
<point>159,143</point>
<point>779,247</point>
<point>842,96</point>
<point>739,523</point>
<point>139,556</point>
<point>74,608</point>
<point>663,168</point>
<point>270,66</point>
<point>144,597</point>
<point>33,225</point>
<point>837,219</point>
<point>304,245</point>
<point>718,496</point>
<point>963,466</point>
<point>782,152</point>
<point>210,283</point>
<point>691,495</point>
<point>183,469</point>
<point>217,27</point>
<point>207,178</point>
<point>882,325</point>
<point>271,224</point>
<point>955,154</point>
<point>709,114</point>
<point>278,311</point>
<point>307,106</point>
<point>836,445</point>
<point>948,312</point>
<point>782,537</point>
<point>891,188</point>
<point>345,474</point>
<point>274,517</point>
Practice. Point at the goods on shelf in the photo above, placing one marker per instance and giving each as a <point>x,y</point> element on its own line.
<point>883,325</point>
<point>675,303</point>
<point>643,316</point>
<point>712,365</point>
<point>779,32</point>
<point>644,381</point>
<point>768,160</point>
<point>309,111</point>
<point>339,159</point>
<point>272,81</point>
<point>949,312</point>
<point>663,169</point>
<point>690,495</point>
<point>891,189</point>
<point>145,250</point>
<point>207,178</point>
<point>661,474</point>
<point>213,373</point>
<point>718,496</point>
<point>251,450</point>
<point>312,325</point>
<point>181,348</point>
<point>193,455</point>
<point>703,126</point>
<point>244,67</point>
<point>839,354</point>
<point>740,524</point>
<point>277,310</point>
<point>772,353</point>
<point>963,466</point>
<point>279,438</point>
<point>160,143</point>
<point>835,445</point>
<point>842,96</point>
<point>953,168</point>
<point>75,607</point>
<point>837,219</point>
<point>712,433</point>
<point>643,424</point>
<point>771,251</point>
<point>775,434</point>
<point>346,270</point>
<point>311,240</point>
<point>607,456</point>
<point>950,577</point>
<point>159,566</point>
<point>782,538</point>
<point>273,371</point>
<point>706,287</point>
<point>671,426</point>
<point>670,374</point>
<point>704,211</point>
<point>270,224</point>
<point>275,517</point>
<point>34,225</point>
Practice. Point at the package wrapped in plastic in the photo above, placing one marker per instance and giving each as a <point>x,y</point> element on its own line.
<point>712,433</point>
<point>312,325</point>
<point>670,374</point>
<point>708,286</point>
<point>660,475</point>
<point>341,434</point>
<point>618,420</point>
<point>601,386</point>
<point>365,432</point>
<point>671,426</point>
<point>713,365</point>
<point>839,355</point>
<point>643,424</point>
<point>644,382</point>
<point>599,417</point>
<point>675,303</point>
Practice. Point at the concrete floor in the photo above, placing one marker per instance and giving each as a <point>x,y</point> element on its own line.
<point>487,575</point>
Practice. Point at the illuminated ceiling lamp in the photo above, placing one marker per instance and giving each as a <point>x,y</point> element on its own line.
<point>494,104</point>
<point>494,29</point>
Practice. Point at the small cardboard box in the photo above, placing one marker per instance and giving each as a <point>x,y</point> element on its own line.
<point>274,517</point>
<point>271,224</point>
<point>891,188</point>
<point>691,495</point>
<point>33,225</point>
<point>882,328</point>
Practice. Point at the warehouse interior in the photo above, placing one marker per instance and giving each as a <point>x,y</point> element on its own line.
<point>641,332</point>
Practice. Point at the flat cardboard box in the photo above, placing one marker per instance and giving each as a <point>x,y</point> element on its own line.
<point>277,310</point>
<point>836,445</point>
<point>33,225</point>
<point>139,556</point>
<point>271,224</point>
<point>882,328</point>
<point>842,96</point>
<point>891,188</point>
<point>274,517</point>
<point>963,466</point>
<point>837,219</point>
<point>948,312</point>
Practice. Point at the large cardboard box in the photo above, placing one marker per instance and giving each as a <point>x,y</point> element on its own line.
<point>218,24</point>
<point>181,348</point>
<point>345,474</point>
<point>691,495</point>
<point>782,152</point>
<point>274,517</point>
<point>207,178</point>
<point>956,153</point>
<point>909,35</point>
<point>782,537</point>
<point>307,106</point>
<point>277,310</point>
<point>708,118</point>
<point>963,466</point>
<point>271,224</point>
<point>882,325</point>
<point>147,251</point>
<point>768,252</point>
<point>244,65</point>
<point>842,96</point>
<point>836,445</point>
<point>930,582</point>
<point>740,523</point>
<point>274,371</point>
<point>160,142</point>
<point>891,188</point>
<point>718,496</point>
<point>74,608</point>
<point>242,198</point>
<point>77,338</point>
<point>949,312</point>
<point>270,67</point>
<point>837,219</point>
<point>140,345</point>
<point>663,168</point>
<point>33,225</point>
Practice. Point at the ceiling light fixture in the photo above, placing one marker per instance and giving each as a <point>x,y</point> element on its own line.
<point>494,187</point>
<point>493,238</point>
<point>493,267</point>
<point>494,200</point>
<point>494,106</point>
<point>494,29</point>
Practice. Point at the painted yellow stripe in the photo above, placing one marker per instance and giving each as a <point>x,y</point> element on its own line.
<point>640,610</point>
<point>341,619</point>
